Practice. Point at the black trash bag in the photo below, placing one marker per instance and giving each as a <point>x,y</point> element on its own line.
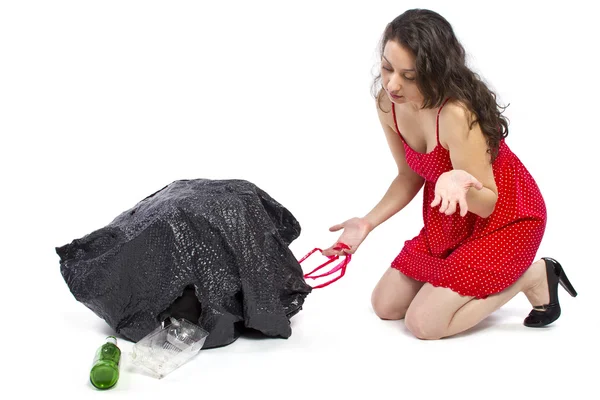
<point>226,241</point>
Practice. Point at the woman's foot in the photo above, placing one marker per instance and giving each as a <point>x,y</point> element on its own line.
<point>537,284</point>
<point>542,292</point>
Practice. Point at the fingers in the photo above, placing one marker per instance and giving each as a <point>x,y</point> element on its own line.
<point>338,251</point>
<point>336,227</point>
<point>436,200</point>
<point>476,184</point>
<point>451,209</point>
<point>339,245</point>
<point>462,203</point>
<point>344,248</point>
<point>448,206</point>
<point>445,204</point>
<point>329,252</point>
<point>450,194</point>
<point>473,182</point>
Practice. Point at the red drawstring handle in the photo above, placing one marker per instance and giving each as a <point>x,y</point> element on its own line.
<point>340,266</point>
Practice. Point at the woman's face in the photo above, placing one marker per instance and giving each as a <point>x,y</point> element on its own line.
<point>399,75</point>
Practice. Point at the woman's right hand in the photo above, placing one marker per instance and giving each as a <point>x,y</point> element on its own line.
<point>355,231</point>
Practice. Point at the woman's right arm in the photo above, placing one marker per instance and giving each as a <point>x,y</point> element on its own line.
<point>402,190</point>
<point>405,185</point>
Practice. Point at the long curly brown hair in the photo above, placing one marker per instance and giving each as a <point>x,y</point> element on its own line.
<point>441,71</point>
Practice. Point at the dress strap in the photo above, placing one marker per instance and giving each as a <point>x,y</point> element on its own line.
<point>395,123</point>
<point>437,121</point>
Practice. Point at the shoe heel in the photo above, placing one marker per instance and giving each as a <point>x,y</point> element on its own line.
<point>566,284</point>
<point>563,280</point>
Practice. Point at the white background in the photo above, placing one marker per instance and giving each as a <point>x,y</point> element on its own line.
<point>103,103</point>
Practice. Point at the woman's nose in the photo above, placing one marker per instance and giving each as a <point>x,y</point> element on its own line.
<point>394,85</point>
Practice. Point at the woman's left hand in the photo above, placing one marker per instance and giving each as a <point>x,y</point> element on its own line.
<point>451,189</point>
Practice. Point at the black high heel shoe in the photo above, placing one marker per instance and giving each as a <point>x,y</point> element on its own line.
<point>546,314</point>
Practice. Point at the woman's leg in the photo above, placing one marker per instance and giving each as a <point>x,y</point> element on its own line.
<point>438,312</point>
<point>393,294</point>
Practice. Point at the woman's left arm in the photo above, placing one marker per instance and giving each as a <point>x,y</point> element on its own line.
<point>468,152</point>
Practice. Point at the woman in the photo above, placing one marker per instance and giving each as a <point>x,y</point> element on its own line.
<point>484,216</point>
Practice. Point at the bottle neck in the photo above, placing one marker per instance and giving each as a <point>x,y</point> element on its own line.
<point>111,339</point>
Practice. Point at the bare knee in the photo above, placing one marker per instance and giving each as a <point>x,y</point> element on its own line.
<point>393,294</point>
<point>385,308</point>
<point>420,324</point>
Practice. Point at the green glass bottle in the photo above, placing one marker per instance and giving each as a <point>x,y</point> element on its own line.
<point>105,369</point>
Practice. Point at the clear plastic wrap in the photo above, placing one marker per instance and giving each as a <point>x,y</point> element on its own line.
<point>168,347</point>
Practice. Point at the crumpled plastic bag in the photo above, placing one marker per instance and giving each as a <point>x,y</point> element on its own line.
<point>225,239</point>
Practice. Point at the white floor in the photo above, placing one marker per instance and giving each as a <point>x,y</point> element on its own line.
<point>102,104</point>
<point>338,347</point>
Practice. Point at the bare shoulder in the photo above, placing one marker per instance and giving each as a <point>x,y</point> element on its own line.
<point>456,122</point>
<point>455,112</point>
<point>384,109</point>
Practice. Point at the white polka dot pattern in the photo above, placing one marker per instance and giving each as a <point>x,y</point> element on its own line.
<point>471,255</point>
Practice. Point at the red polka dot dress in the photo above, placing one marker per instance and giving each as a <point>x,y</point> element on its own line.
<point>470,255</point>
